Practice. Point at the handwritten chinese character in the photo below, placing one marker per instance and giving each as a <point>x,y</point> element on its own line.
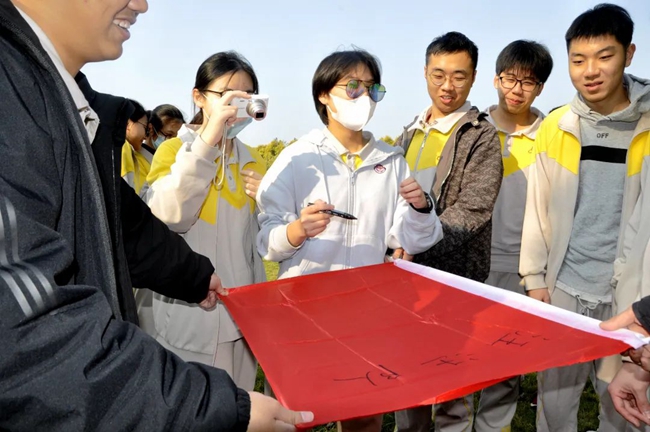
<point>518,339</point>
<point>455,360</point>
<point>372,377</point>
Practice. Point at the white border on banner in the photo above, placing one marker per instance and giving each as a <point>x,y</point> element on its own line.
<point>524,303</point>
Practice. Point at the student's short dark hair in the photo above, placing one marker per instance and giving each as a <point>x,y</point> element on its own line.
<point>138,111</point>
<point>334,67</point>
<point>163,113</point>
<point>604,19</point>
<point>451,43</point>
<point>526,56</point>
<point>168,111</point>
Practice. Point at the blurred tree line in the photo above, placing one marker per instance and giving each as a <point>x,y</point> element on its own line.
<point>269,152</point>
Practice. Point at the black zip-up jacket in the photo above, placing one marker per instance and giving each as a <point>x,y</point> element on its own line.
<point>641,310</point>
<point>466,186</point>
<point>74,238</point>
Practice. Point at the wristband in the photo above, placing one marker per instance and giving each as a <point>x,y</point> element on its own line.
<point>429,206</point>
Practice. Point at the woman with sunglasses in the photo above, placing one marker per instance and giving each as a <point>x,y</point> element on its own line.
<point>202,184</point>
<point>342,168</point>
<point>135,165</point>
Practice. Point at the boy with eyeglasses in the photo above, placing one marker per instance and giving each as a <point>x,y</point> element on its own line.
<point>522,68</point>
<point>454,152</point>
<point>582,190</point>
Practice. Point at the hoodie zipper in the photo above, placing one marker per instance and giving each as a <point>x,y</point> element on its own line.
<point>417,159</point>
<point>451,165</point>
<point>348,223</point>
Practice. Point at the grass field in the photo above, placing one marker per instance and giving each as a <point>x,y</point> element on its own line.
<point>524,420</point>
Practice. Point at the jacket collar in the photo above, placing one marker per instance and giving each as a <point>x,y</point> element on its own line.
<point>113,111</point>
<point>443,125</point>
<point>377,151</point>
<point>530,132</point>
<point>473,116</point>
<point>570,123</point>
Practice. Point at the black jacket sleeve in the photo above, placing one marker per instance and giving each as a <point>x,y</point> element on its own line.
<point>642,312</point>
<point>67,364</point>
<point>158,258</point>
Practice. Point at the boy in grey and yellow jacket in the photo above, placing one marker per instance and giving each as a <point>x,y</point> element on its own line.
<point>581,192</point>
<point>522,68</point>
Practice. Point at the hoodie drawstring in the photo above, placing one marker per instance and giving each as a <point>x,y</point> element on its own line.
<point>322,170</point>
<point>586,307</point>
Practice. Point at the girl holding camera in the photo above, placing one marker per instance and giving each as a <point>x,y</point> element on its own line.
<point>364,200</point>
<point>203,185</point>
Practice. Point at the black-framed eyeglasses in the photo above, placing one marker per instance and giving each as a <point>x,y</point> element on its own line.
<point>220,93</point>
<point>144,125</point>
<point>438,78</point>
<point>165,135</point>
<point>510,82</point>
<point>355,88</point>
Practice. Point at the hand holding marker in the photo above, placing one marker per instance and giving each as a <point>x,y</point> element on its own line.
<point>336,213</point>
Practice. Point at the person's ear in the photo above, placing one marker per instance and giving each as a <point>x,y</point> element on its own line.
<point>629,54</point>
<point>199,98</point>
<point>326,100</point>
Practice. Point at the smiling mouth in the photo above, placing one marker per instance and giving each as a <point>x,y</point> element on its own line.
<point>123,24</point>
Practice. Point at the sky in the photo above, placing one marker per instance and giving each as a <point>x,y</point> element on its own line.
<point>285,40</point>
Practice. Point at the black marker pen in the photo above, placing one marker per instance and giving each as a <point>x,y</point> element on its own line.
<point>340,214</point>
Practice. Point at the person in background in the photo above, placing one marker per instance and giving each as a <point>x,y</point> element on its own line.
<point>203,186</point>
<point>135,166</point>
<point>164,123</point>
<point>522,68</point>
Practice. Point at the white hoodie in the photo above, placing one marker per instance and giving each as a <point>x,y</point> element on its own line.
<point>312,169</point>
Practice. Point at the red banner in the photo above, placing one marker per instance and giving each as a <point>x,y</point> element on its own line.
<point>382,338</point>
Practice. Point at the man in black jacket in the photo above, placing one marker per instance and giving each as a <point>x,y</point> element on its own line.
<point>74,239</point>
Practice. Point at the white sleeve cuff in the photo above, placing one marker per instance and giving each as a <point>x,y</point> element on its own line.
<point>281,241</point>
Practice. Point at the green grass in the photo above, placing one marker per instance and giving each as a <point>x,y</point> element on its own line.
<point>524,420</point>
<point>271,270</point>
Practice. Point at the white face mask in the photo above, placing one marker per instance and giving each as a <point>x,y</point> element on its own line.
<point>158,141</point>
<point>354,114</point>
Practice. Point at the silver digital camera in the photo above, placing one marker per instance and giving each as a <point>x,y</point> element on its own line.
<point>254,107</point>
